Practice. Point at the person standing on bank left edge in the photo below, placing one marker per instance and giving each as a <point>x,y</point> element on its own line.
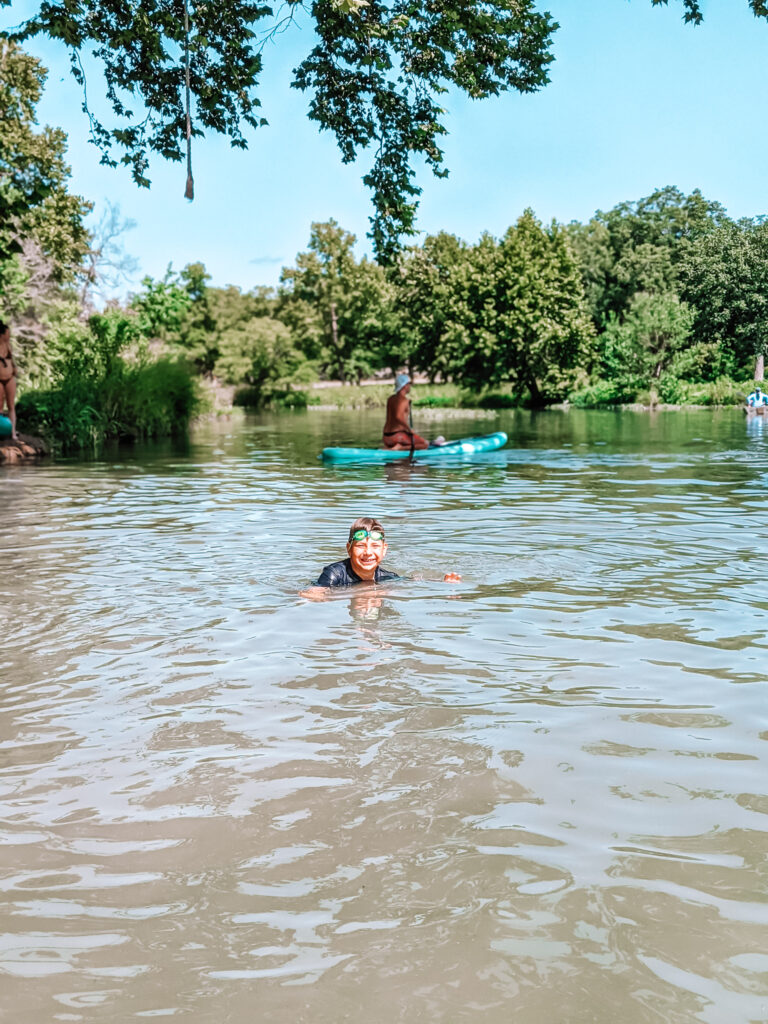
<point>8,375</point>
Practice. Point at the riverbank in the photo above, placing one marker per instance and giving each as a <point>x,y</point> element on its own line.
<point>25,449</point>
<point>374,394</point>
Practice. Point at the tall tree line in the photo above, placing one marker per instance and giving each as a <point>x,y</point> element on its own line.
<point>645,298</point>
<point>651,296</point>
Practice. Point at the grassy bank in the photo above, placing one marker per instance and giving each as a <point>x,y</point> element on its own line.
<point>425,396</point>
<point>670,391</point>
<point>601,395</point>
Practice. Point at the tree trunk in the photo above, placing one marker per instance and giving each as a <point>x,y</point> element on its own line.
<point>760,366</point>
<point>537,401</point>
<point>335,342</point>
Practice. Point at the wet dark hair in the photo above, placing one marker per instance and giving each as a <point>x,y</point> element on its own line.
<point>365,523</point>
<point>3,327</point>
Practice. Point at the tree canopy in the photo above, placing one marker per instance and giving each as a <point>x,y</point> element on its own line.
<point>34,201</point>
<point>376,73</point>
<point>339,309</point>
<point>725,278</point>
<point>694,14</point>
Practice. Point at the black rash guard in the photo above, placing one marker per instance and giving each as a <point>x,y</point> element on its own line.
<point>341,574</point>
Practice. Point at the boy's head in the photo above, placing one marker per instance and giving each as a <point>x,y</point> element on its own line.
<point>366,546</point>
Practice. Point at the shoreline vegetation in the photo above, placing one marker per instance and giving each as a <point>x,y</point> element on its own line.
<point>659,302</point>
<point>436,398</point>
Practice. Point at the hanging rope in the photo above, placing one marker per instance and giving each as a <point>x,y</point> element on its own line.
<point>189,192</point>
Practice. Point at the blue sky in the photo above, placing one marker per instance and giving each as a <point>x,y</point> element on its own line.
<point>637,100</point>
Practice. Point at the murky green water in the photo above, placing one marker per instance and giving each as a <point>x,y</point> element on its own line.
<point>536,796</point>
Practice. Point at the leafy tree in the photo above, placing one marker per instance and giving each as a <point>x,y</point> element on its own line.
<point>260,353</point>
<point>638,246</point>
<point>177,310</point>
<point>432,304</point>
<point>639,348</point>
<point>694,15</point>
<point>376,75</point>
<point>725,278</point>
<point>535,330</point>
<point>34,201</point>
<point>702,362</point>
<point>42,235</point>
<point>162,306</point>
<point>495,312</point>
<point>339,310</point>
<point>231,307</point>
<point>197,335</point>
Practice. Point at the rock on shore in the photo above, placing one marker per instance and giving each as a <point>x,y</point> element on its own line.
<point>25,449</point>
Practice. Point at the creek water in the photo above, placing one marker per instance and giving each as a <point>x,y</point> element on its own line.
<point>536,795</point>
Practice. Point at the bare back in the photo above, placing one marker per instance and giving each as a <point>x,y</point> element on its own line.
<point>398,409</point>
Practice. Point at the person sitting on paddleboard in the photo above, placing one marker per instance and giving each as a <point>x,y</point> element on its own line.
<point>366,549</point>
<point>757,397</point>
<point>398,433</point>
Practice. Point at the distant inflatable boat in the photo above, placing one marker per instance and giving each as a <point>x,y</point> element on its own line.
<point>465,446</point>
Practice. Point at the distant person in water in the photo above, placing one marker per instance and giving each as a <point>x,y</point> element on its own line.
<point>398,433</point>
<point>366,549</point>
<point>757,398</point>
<point>8,374</point>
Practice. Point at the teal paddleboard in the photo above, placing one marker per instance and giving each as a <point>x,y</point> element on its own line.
<point>465,446</point>
<point>5,427</point>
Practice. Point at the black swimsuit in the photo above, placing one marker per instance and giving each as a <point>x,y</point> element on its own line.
<point>341,574</point>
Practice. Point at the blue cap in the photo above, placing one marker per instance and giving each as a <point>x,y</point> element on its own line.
<point>401,380</point>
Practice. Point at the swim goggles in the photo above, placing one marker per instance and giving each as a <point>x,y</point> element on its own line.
<point>362,534</point>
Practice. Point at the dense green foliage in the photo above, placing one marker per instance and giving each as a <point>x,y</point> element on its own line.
<point>105,387</point>
<point>43,240</point>
<point>638,247</point>
<point>339,310</point>
<point>724,276</point>
<point>34,202</point>
<point>84,378</point>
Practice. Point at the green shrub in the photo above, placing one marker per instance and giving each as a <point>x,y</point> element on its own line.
<point>496,400</point>
<point>670,389</point>
<point>280,398</point>
<point>603,393</point>
<point>434,402</point>
<point>702,362</point>
<point>289,399</point>
<point>719,392</point>
<point>106,388</point>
